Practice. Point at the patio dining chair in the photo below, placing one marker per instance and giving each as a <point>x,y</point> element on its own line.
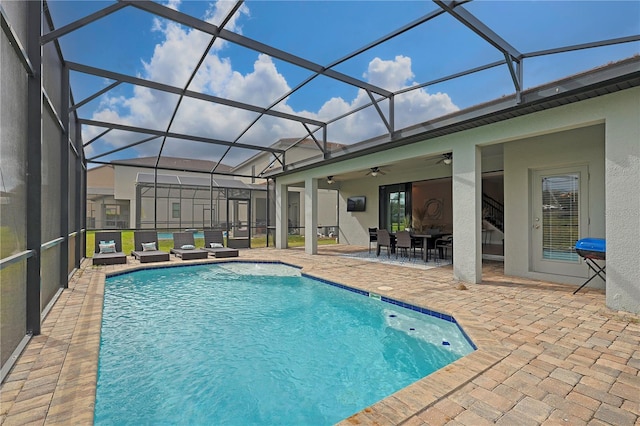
<point>403,243</point>
<point>431,242</point>
<point>443,245</point>
<point>384,240</point>
<point>417,243</point>
<point>373,236</point>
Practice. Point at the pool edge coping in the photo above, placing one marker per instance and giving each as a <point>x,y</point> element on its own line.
<point>414,398</point>
<point>74,396</point>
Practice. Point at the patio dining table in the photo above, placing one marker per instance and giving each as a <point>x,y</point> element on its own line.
<point>425,242</point>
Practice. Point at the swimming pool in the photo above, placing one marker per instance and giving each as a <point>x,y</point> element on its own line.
<point>240,343</point>
<point>169,235</point>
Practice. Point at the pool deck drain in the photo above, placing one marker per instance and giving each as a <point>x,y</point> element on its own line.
<point>544,355</point>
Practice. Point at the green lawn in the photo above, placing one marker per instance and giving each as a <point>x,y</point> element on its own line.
<point>166,245</point>
<point>7,242</point>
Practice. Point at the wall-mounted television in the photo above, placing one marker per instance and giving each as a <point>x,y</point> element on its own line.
<point>356,204</point>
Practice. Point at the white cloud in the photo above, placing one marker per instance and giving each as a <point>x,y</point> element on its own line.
<point>172,63</point>
<point>391,75</point>
<point>219,11</point>
<point>410,108</point>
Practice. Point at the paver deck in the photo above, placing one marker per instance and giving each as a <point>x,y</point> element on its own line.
<point>545,356</point>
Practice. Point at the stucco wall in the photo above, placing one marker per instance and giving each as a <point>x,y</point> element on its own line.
<point>259,162</point>
<point>622,168</point>
<point>353,225</point>
<point>582,146</point>
<point>614,164</point>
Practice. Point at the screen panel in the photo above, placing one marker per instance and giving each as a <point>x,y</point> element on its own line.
<point>49,274</point>
<point>13,308</point>
<point>13,189</point>
<point>51,179</point>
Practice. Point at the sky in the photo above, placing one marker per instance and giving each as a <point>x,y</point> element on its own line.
<point>136,43</point>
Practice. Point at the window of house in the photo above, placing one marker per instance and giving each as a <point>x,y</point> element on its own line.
<point>175,210</point>
<point>112,211</point>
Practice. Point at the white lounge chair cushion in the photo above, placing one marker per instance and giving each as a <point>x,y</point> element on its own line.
<point>107,248</point>
<point>149,246</point>
<point>188,247</point>
<point>216,245</point>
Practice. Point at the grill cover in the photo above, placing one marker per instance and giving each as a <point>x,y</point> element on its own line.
<point>592,248</point>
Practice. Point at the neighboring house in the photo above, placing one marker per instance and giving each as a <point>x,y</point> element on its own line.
<point>298,150</point>
<point>104,211</point>
<point>565,154</point>
<point>120,195</point>
<point>126,187</point>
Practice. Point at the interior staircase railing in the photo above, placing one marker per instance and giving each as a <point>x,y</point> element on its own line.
<point>493,211</point>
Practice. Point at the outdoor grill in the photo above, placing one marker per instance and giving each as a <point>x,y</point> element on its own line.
<point>592,249</point>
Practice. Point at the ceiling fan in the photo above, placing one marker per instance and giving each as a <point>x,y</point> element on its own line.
<point>447,158</point>
<point>375,171</point>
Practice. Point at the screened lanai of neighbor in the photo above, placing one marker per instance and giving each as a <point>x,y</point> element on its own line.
<point>511,126</point>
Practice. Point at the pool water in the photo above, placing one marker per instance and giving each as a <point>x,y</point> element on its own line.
<point>169,235</point>
<point>255,344</point>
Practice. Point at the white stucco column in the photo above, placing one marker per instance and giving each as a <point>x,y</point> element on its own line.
<point>467,206</point>
<point>622,198</point>
<point>282,219</point>
<point>311,215</point>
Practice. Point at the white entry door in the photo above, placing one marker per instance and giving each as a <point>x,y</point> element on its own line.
<point>559,219</point>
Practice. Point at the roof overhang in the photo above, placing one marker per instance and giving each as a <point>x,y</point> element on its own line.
<point>598,82</point>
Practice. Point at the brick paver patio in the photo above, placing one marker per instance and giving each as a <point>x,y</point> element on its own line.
<point>545,356</point>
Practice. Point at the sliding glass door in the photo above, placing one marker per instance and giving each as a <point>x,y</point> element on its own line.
<point>395,206</point>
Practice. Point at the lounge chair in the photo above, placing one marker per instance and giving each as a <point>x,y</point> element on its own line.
<point>110,253</point>
<point>184,247</point>
<point>214,244</point>
<point>145,249</point>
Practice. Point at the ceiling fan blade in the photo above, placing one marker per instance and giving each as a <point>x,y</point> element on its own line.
<point>445,158</point>
<point>375,171</point>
